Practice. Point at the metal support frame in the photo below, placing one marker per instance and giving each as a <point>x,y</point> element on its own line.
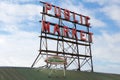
<point>67,48</point>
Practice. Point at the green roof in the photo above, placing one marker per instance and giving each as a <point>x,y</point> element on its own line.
<point>20,73</point>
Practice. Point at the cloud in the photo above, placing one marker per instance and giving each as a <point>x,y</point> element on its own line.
<point>9,12</point>
<point>19,1</point>
<point>106,67</point>
<point>97,23</point>
<point>2,40</point>
<point>104,2</point>
<point>112,12</point>
<point>109,8</point>
<point>106,51</point>
<point>101,2</point>
<point>19,49</point>
<point>14,15</point>
<point>81,9</point>
<point>111,49</point>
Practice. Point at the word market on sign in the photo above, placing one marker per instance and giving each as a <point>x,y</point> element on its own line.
<point>66,31</point>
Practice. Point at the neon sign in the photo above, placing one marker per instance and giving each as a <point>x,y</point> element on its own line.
<point>65,38</point>
<point>58,11</point>
<point>65,31</point>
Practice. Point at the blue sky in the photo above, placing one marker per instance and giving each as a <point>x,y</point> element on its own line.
<point>20,28</point>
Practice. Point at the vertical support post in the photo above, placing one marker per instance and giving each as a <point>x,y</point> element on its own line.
<point>90,52</point>
<point>77,50</point>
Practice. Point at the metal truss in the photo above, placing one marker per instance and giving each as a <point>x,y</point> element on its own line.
<point>77,58</point>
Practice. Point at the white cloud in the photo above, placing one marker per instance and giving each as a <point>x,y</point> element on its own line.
<point>9,28</point>
<point>112,12</point>
<point>110,8</point>
<point>104,2</point>
<point>107,49</point>
<point>19,1</point>
<point>17,12</point>
<point>14,15</point>
<point>97,23</point>
<point>2,40</point>
<point>107,68</point>
<point>81,9</point>
<point>19,49</point>
<point>111,47</point>
<point>101,2</point>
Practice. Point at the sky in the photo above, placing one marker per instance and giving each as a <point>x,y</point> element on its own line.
<point>20,28</point>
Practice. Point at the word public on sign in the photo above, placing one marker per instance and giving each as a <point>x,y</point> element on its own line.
<point>70,16</point>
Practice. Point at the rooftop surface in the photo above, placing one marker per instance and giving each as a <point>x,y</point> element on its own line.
<point>21,73</point>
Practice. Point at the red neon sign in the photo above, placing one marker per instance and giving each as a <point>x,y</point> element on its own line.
<point>57,11</point>
<point>56,29</point>
<point>66,31</point>
<point>46,28</point>
<point>67,13</point>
